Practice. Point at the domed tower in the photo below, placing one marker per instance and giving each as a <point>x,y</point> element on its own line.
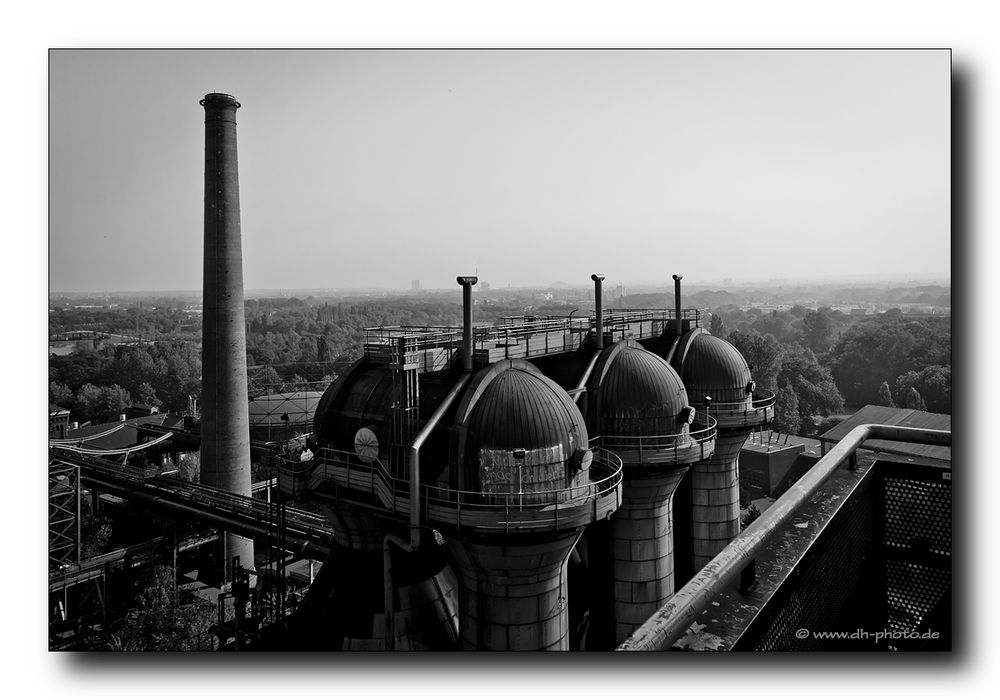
<point>521,486</point>
<point>718,381</point>
<point>639,408</point>
<point>353,433</point>
<point>719,385</point>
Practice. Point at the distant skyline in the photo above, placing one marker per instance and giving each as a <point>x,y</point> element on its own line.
<point>374,168</point>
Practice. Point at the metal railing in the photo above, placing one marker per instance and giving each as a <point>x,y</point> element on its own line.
<point>547,509</point>
<point>672,621</point>
<point>678,448</point>
<point>756,410</point>
<point>656,314</point>
<point>382,341</point>
<point>242,514</point>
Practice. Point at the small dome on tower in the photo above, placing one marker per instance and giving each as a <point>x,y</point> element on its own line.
<point>357,401</point>
<point>710,366</point>
<point>639,393</point>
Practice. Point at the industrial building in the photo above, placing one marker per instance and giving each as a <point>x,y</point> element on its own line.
<point>559,483</point>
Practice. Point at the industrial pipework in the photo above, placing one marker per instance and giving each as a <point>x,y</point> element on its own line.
<point>598,310</point>
<point>467,283</point>
<point>225,423</point>
<point>677,300</point>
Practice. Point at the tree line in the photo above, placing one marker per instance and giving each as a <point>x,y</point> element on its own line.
<point>816,361</point>
<point>820,361</point>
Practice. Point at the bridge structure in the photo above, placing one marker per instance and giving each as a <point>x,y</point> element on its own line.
<point>78,585</point>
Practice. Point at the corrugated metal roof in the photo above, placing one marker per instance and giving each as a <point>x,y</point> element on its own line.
<point>127,436</point>
<point>906,417</point>
<point>711,366</point>
<point>639,393</point>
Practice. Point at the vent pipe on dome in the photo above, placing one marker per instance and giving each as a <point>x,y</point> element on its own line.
<point>677,300</point>
<point>598,310</point>
<point>467,283</point>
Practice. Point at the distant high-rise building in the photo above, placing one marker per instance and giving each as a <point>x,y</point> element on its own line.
<point>415,285</point>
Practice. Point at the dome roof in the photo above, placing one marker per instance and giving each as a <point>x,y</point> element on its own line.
<point>710,366</point>
<point>358,398</point>
<point>517,407</point>
<point>639,393</point>
<point>514,415</point>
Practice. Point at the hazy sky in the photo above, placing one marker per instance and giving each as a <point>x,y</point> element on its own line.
<point>372,168</point>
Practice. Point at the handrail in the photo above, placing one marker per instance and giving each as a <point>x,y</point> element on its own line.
<point>602,458</point>
<point>124,450</point>
<point>65,441</point>
<point>759,399</point>
<point>659,442</point>
<point>686,314</point>
<point>671,621</point>
<point>606,464</point>
<point>208,502</point>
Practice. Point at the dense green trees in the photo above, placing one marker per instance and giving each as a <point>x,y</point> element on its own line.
<point>96,385</point>
<point>163,618</point>
<point>889,347</point>
<point>817,330</point>
<point>804,390</point>
<point>789,350</point>
<point>762,353</point>
<point>717,327</point>
<point>932,383</point>
<point>885,395</point>
<point>787,418</point>
<point>812,384</point>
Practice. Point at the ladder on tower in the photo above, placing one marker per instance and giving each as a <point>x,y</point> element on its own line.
<point>405,404</point>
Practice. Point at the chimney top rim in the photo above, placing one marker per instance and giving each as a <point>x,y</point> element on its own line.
<point>217,98</point>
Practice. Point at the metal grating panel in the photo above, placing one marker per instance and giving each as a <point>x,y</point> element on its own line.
<point>918,547</point>
<point>882,564</point>
<point>822,594</point>
<point>913,590</point>
<point>918,514</point>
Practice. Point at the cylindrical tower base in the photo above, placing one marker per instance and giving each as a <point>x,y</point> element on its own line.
<point>715,498</point>
<point>643,546</point>
<point>422,586</point>
<point>513,593</point>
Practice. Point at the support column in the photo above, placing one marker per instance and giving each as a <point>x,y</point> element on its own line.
<point>715,498</point>
<point>643,546</point>
<point>514,596</point>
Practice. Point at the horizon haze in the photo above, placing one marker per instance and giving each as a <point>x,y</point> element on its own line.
<point>371,168</point>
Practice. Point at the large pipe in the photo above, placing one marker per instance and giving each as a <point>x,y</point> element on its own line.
<point>225,423</point>
<point>672,621</point>
<point>598,310</point>
<point>467,283</point>
<point>581,386</point>
<point>677,301</point>
<point>415,515</point>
